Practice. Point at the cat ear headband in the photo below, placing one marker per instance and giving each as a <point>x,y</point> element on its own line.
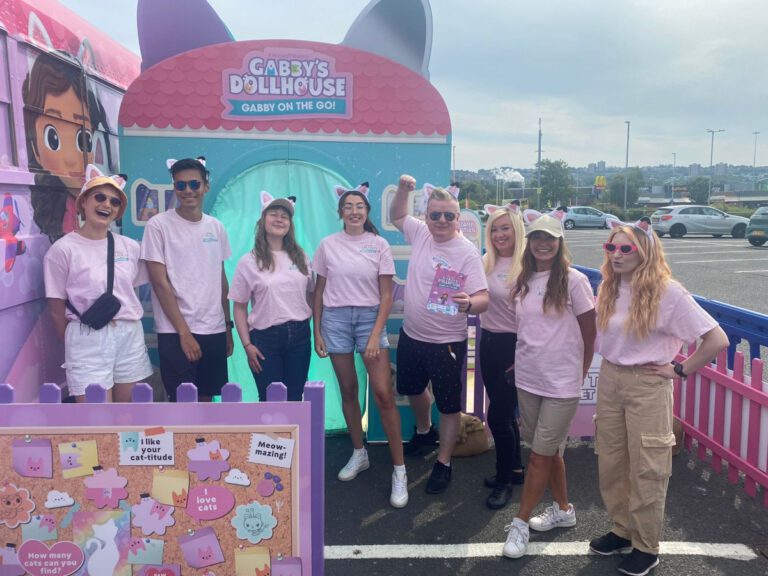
<point>268,201</point>
<point>641,225</point>
<point>529,215</point>
<point>171,161</point>
<point>511,208</point>
<point>339,191</point>
<point>453,190</point>
<point>94,178</point>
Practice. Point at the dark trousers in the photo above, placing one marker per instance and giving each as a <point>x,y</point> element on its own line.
<point>209,373</point>
<point>286,349</point>
<point>497,353</point>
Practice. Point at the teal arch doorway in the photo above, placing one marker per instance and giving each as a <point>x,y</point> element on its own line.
<point>238,206</point>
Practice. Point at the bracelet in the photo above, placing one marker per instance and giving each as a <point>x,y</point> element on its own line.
<point>249,344</point>
<point>230,324</point>
<point>469,306</point>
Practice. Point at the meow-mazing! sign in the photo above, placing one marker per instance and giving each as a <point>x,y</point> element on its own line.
<point>286,83</point>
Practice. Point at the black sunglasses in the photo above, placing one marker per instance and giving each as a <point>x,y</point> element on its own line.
<point>101,197</point>
<point>449,216</point>
<point>181,185</point>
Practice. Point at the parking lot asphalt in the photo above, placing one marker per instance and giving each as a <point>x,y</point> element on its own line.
<point>727,269</point>
<point>454,533</point>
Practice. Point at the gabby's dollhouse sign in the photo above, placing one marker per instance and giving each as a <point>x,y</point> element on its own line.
<point>288,84</point>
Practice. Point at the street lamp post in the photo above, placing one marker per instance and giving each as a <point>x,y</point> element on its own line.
<point>674,165</point>
<point>754,155</point>
<point>711,166</point>
<point>626,170</point>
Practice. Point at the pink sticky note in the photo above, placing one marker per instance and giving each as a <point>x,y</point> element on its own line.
<point>209,502</point>
<point>202,548</point>
<point>62,559</point>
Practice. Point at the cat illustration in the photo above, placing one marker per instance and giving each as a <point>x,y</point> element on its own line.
<point>103,554</point>
<point>180,499</point>
<point>159,510</point>
<point>263,572</point>
<point>48,522</point>
<point>253,522</point>
<point>130,441</point>
<point>70,460</point>
<point>205,555</point>
<point>136,545</point>
<point>215,455</point>
<point>34,467</point>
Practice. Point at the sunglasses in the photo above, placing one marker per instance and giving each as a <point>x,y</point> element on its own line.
<point>181,185</point>
<point>449,216</point>
<point>101,197</point>
<point>610,247</point>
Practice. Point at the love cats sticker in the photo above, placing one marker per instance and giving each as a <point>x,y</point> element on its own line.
<point>61,559</point>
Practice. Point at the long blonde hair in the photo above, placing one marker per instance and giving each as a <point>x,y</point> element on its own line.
<point>557,285</point>
<point>263,253</point>
<point>649,282</point>
<point>518,235</point>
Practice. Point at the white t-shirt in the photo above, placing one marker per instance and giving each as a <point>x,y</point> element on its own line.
<point>680,321</point>
<point>351,266</point>
<point>276,296</point>
<point>193,253</point>
<point>459,255</point>
<point>499,317</point>
<point>549,358</point>
<point>75,269</point>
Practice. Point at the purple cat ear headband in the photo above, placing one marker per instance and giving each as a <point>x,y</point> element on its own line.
<point>511,208</point>
<point>453,190</point>
<point>642,225</point>
<point>339,191</point>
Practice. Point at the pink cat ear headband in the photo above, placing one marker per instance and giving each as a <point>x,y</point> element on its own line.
<point>339,191</point>
<point>529,215</point>
<point>642,225</point>
<point>95,178</point>
<point>511,208</point>
<point>171,161</point>
<point>453,190</point>
<point>268,201</point>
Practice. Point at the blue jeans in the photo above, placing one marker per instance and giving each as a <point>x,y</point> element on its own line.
<point>286,349</point>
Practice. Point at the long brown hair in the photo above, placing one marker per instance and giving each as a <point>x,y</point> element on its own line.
<point>263,253</point>
<point>649,282</point>
<point>557,285</point>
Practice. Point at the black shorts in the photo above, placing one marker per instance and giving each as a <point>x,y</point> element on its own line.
<point>209,373</point>
<point>419,363</point>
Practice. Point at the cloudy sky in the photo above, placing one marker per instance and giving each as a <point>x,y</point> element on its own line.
<point>673,68</point>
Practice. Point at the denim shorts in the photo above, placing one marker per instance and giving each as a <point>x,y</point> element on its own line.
<point>346,328</point>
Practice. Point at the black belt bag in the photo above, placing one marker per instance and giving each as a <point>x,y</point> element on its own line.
<point>107,305</point>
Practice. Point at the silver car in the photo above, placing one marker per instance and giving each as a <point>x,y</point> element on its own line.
<point>585,217</point>
<point>677,221</point>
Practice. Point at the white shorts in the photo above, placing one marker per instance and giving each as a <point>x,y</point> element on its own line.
<point>115,354</point>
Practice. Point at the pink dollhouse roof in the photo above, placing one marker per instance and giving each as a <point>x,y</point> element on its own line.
<point>51,26</point>
<point>185,92</point>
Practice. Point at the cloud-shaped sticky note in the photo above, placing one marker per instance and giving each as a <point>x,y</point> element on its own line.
<point>58,499</point>
<point>237,477</point>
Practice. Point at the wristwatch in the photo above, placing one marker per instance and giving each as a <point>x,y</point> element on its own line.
<point>678,368</point>
<point>230,324</point>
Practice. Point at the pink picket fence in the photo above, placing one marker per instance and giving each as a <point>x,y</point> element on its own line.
<point>726,412</point>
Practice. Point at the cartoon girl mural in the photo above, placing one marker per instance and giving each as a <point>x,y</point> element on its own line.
<point>60,116</point>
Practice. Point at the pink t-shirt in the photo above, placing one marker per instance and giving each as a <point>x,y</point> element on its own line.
<point>680,321</point>
<point>193,253</point>
<point>549,358</point>
<point>75,269</point>
<point>499,317</point>
<point>458,254</point>
<point>276,296</point>
<point>352,266</point>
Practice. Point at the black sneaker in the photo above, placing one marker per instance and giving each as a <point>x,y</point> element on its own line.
<point>439,479</point>
<point>499,497</point>
<point>638,563</point>
<point>610,544</point>
<point>419,442</point>
<point>518,478</point>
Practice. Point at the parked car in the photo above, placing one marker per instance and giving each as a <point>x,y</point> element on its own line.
<point>677,221</point>
<point>757,231</point>
<point>585,217</point>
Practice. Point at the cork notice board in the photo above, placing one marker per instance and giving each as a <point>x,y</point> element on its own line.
<point>167,500</point>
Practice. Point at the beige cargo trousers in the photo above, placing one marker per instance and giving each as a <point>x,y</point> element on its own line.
<point>634,442</point>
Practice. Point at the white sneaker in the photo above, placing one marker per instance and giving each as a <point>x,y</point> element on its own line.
<point>553,517</point>
<point>399,496</point>
<point>517,539</point>
<point>357,463</point>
